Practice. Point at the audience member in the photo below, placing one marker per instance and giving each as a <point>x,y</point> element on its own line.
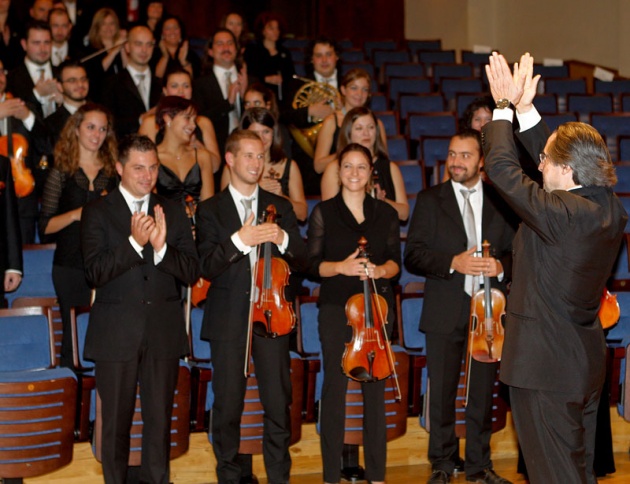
<point>39,10</point>
<point>267,60</point>
<point>61,29</point>
<point>11,52</point>
<point>355,92</point>
<point>178,83</point>
<point>131,93</point>
<point>84,171</point>
<point>152,14</point>
<point>174,50</point>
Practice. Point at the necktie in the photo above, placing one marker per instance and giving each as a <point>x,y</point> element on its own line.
<point>42,73</point>
<point>138,205</point>
<point>247,203</point>
<point>142,89</point>
<point>471,234</point>
<point>228,83</point>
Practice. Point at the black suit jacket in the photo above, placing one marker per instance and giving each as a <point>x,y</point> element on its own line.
<point>121,96</point>
<point>436,234</point>
<point>10,241</point>
<point>20,84</point>
<point>563,253</point>
<point>227,306</point>
<point>209,99</point>
<point>136,301</point>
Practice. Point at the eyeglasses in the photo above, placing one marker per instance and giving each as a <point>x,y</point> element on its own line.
<point>543,157</point>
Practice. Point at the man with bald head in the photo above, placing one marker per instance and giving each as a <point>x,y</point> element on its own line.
<point>132,92</point>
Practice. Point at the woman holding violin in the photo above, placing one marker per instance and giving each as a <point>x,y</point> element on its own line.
<point>85,157</point>
<point>335,227</point>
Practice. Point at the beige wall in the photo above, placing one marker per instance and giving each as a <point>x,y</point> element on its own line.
<point>591,31</point>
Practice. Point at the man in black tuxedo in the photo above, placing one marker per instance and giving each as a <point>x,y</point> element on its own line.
<point>227,248</point>
<point>74,85</point>
<point>139,253</point>
<point>132,92</point>
<point>33,80</point>
<point>63,48</point>
<point>10,241</point>
<point>554,350</point>
<point>443,239</point>
<point>219,93</point>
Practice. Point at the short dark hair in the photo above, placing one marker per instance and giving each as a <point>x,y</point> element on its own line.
<point>469,133</point>
<point>219,31</point>
<point>58,11</point>
<point>233,143</point>
<point>322,39</point>
<point>581,147</point>
<point>36,25</point>
<point>69,64</point>
<point>134,142</point>
<point>171,106</point>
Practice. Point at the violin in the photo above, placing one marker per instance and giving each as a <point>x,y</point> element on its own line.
<point>368,356</point>
<point>485,340</point>
<point>609,311</point>
<point>270,314</point>
<point>15,147</point>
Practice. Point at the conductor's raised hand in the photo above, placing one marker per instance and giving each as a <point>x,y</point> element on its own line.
<point>141,227</point>
<point>157,237</point>
<point>526,72</point>
<point>503,84</point>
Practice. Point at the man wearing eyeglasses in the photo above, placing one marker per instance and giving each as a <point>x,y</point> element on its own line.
<point>554,354</point>
<point>132,92</point>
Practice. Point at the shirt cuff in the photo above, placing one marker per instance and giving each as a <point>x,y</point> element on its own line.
<point>136,246</point>
<point>505,114</point>
<point>529,119</point>
<point>245,249</point>
<point>285,243</point>
<point>13,271</point>
<point>29,122</point>
<point>159,256</point>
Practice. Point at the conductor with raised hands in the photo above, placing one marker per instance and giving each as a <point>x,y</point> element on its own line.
<point>554,352</point>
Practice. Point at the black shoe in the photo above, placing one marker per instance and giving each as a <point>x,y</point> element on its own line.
<point>251,479</point>
<point>439,476</point>
<point>487,476</point>
<point>353,474</point>
<point>459,465</point>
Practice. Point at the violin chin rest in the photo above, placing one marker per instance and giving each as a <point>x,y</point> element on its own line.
<point>361,373</point>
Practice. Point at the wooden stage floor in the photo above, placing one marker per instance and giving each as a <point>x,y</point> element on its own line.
<point>406,461</point>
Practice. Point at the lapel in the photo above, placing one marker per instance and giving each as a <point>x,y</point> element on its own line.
<point>488,210</point>
<point>129,85</point>
<point>227,208</point>
<point>449,206</point>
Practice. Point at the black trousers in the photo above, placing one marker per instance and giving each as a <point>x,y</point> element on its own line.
<point>444,360</point>
<point>116,385</point>
<point>556,432</point>
<point>72,291</point>
<point>272,362</point>
<point>333,334</point>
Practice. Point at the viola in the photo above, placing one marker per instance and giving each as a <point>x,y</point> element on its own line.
<point>487,307</point>
<point>15,147</point>
<point>271,315</point>
<point>609,311</point>
<point>368,356</point>
<point>485,340</point>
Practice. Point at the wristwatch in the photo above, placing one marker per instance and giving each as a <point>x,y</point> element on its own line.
<point>503,103</point>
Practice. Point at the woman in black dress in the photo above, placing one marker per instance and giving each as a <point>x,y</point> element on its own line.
<point>84,170</point>
<point>335,227</point>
